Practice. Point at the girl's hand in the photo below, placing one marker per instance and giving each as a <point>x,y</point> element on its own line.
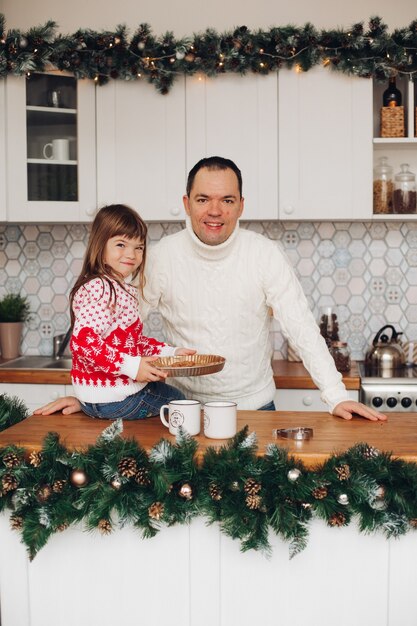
<point>67,405</point>
<point>147,373</point>
<point>184,351</point>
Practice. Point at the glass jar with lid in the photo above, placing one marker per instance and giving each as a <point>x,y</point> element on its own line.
<point>383,187</point>
<point>404,191</point>
<point>341,355</point>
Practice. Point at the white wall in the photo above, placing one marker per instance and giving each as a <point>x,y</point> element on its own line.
<point>185,17</point>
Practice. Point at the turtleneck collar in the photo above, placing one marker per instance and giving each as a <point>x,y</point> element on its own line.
<point>211,253</point>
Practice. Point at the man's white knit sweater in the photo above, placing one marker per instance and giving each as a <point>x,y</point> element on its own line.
<point>216,299</point>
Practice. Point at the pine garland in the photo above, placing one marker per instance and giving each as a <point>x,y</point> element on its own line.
<point>116,482</point>
<point>368,52</point>
<point>12,411</point>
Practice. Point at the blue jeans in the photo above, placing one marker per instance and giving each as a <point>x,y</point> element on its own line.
<point>143,404</point>
<point>268,407</point>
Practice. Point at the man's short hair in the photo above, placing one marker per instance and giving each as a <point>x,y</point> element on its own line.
<point>214,163</point>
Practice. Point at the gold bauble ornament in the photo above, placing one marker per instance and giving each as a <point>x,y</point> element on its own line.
<point>78,478</point>
<point>186,491</point>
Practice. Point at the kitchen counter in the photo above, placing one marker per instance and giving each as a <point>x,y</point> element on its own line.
<point>331,434</point>
<point>293,375</point>
<point>192,573</point>
<point>287,375</point>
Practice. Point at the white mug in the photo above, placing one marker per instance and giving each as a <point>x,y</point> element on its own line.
<point>59,150</point>
<point>220,419</point>
<point>185,413</point>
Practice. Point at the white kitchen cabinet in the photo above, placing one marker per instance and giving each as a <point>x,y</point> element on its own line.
<point>141,148</point>
<point>325,146</point>
<point>304,399</point>
<point>2,152</point>
<point>398,150</point>
<point>55,183</point>
<point>35,396</point>
<point>236,117</point>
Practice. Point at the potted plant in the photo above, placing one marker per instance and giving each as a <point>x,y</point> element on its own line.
<point>14,311</point>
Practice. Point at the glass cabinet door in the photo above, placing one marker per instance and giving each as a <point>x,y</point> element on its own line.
<point>51,148</point>
<point>51,131</point>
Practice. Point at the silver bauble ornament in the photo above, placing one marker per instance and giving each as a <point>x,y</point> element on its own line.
<point>343,499</point>
<point>186,491</point>
<point>23,42</point>
<point>294,474</point>
<point>141,45</point>
<point>180,55</point>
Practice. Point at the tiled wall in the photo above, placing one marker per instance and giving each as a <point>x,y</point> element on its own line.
<point>367,271</point>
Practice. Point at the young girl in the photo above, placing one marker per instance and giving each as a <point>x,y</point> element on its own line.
<point>112,361</point>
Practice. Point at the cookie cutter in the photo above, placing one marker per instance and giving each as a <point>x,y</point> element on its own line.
<point>299,434</point>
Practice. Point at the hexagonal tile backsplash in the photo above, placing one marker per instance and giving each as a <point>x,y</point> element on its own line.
<point>366,271</point>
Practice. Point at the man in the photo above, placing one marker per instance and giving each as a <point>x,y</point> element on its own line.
<point>214,284</point>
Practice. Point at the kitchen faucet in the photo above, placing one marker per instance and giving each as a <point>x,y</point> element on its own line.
<point>60,343</point>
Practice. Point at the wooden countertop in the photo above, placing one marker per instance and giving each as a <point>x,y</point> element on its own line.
<point>293,375</point>
<point>331,434</point>
<point>287,375</point>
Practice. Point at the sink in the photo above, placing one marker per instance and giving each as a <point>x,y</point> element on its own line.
<point>37,363</point>
<point>59,364</point>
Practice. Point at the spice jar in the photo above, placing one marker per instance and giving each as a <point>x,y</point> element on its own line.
<point>383,187</point>
<point>329,326</point>
<point>341,355</point>
<point>405,191</point>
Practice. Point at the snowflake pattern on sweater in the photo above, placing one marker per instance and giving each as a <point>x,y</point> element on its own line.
<point>107,329</point>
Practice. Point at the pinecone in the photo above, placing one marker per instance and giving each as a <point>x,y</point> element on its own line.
<point>35,458</point>
<point>337,519</point>
<point>252,486</point>
<point>104,527</point>
<point>142,477</point>
<point>156,510</point>
<point>343,471</point>
<point>16,522</point>
<point>11,460</point>
<point>413,522</point>
<point>127,467</point>
<point>215,492</point>
<point>9,482</point>
<point>62,527</point>
<point>44,493</point>
<point>253,501</point>
<point>58,485</point>
<point>369,452</point>
<point>320,492</point>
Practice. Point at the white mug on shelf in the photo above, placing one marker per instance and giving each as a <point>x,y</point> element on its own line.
<point>185,413</point>
<point>220,419</point>
<point>59,150</point>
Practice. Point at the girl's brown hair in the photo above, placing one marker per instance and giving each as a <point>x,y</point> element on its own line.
<point>110,221</point>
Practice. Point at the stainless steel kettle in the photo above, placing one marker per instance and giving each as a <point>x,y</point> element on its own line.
<point>385,354</point>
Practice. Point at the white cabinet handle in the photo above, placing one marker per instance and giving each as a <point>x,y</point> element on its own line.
<point>91,211</point>
<point>54,395</point>
<point>288,209</point>
<point>307,400</point>
<point>175,211</point>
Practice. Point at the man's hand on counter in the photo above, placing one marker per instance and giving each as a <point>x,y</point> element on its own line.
<point>350,408</point>
<point>67,404</point>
